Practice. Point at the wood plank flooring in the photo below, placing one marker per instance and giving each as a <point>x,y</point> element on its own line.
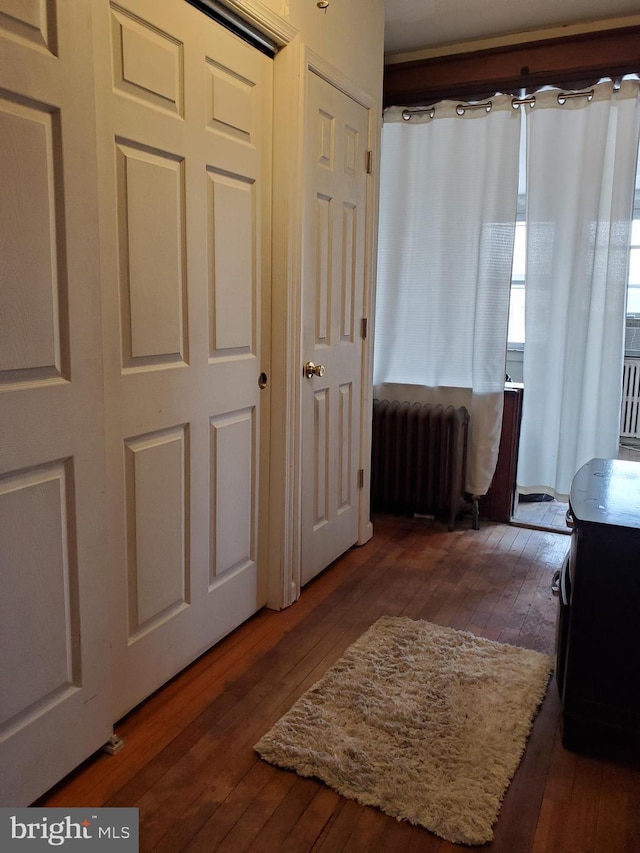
<point>542,514</point>
<point>188,762</point>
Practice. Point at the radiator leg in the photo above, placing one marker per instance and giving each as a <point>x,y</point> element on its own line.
<point>475,513</point>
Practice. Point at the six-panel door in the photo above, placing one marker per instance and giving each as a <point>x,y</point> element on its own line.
<point>333,293</point>
<point>185,127</point>
<point>54,703</point>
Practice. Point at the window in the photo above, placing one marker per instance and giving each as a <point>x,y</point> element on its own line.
<point>515,336</point>
<point>633,292</point>
<point>632,331</point>
<point>516,306</point>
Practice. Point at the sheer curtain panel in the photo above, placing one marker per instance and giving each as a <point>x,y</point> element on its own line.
<point>580,182</point>
<point>449,186</point>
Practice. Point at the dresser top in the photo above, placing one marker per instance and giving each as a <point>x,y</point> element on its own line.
<point>607,491</point>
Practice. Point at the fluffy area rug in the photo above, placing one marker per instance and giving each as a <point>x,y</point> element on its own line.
<point>427,723</point>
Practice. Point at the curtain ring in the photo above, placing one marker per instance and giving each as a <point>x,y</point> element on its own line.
<point>516,103</point>
<point>484,105</point>
<point>408,114</point>
<point>563,97</point>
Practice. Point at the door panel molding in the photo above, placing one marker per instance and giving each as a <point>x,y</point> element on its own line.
<point>32,22</point>
<point>157,506</point>
<point>148,64</point>
<point>34,333</point>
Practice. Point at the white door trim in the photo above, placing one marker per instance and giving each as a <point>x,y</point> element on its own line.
<point>269,23</point>
<point>284,528</point>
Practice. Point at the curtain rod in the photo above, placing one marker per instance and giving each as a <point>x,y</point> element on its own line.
<point>487,106</point>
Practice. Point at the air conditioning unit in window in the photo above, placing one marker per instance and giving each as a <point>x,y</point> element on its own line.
<point>632,337</point>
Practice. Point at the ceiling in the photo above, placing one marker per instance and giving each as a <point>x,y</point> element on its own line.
<point>418,24</point>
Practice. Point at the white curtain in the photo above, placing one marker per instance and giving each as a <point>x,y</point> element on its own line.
<point>581,159</point>
<point>449,186</point>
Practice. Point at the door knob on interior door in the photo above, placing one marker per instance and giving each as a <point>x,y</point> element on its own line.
<point>311,370</point>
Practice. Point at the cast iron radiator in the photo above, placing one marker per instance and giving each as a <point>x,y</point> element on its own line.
<point>630,413</point>
<point>419,458</point>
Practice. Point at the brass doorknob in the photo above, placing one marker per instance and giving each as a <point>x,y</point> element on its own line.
<point>311,370</point>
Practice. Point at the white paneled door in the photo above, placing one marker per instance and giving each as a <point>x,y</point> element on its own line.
<point>333,295</point>
<point>54,705</point>
<point>185,129</point>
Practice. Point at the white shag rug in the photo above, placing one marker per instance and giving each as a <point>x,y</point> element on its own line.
<point>427,723</point>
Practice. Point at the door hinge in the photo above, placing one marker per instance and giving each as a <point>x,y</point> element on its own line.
<point>361,478</point>
<point>364,327</point>
<point>369,165</point>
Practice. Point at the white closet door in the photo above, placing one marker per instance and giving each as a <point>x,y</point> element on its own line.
<point>185,113</point>
<point>54,708</point>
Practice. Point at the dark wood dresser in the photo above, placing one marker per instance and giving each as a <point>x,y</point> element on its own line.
<point>598,641</point>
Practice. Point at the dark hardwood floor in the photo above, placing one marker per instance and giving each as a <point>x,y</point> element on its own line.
<point>188,762</point>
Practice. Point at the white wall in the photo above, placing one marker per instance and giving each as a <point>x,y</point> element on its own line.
<point>349,35</point>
